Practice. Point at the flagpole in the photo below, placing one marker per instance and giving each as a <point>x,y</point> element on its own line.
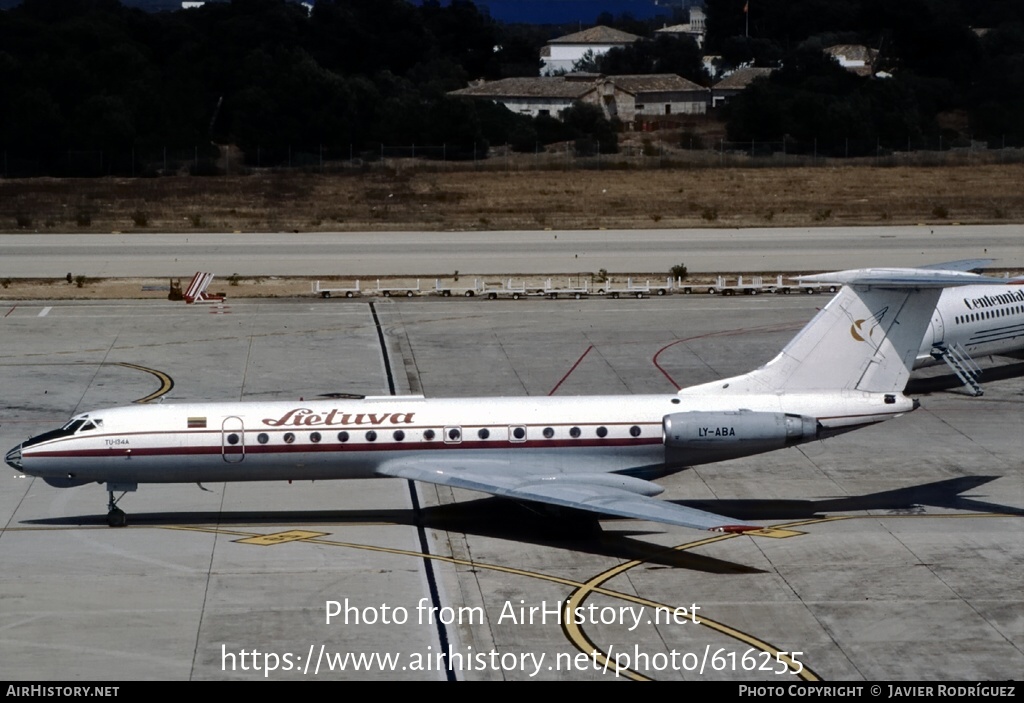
<point>746,19</point>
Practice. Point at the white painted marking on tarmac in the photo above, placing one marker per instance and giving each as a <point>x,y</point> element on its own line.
<point>45,311</point>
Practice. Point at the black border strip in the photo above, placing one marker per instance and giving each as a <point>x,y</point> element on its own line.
<point>428,564</point>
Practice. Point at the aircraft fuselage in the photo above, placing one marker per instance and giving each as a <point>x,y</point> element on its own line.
<point>318,440</point>
<point>982,319</point>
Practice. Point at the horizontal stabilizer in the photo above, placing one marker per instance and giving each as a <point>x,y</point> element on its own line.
<point>960,265</point>
<point>902,278</point>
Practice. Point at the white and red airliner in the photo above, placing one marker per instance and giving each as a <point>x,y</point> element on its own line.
<point>845,369</point>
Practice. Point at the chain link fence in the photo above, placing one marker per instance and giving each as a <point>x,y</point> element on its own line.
<point>643,152</point>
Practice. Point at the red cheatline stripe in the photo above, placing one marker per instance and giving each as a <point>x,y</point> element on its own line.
<point>355,446</point>
<point>567,373</point>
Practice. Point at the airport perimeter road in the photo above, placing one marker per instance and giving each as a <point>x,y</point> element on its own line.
<point>359,254</point>
<point>896,552</point>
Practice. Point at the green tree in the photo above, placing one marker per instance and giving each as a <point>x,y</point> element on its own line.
<point>665,54</point>
<point>588,122</point>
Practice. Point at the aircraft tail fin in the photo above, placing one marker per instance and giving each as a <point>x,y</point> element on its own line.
<point>866,339</point>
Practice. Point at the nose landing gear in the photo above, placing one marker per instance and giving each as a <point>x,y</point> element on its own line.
<point>115,516</point>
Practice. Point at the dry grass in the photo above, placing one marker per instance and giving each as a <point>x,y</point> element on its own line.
<point>520,196</point>
<point>414,199</point>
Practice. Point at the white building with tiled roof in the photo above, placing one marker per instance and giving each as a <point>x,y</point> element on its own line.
<point>622,97</point>
<point>630,97</point>
<point>547,95</point>
<point>736,82</point>
<point>855,58</point>
<point>696,28</point>
<point>562,54</point>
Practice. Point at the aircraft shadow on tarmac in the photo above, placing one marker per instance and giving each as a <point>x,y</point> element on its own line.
<point>502,519</point>
<point>946,494</point>
<point>923,385</point>
<point>486,517</point>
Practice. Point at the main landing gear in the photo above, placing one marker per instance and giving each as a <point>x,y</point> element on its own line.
<point>115,516</point>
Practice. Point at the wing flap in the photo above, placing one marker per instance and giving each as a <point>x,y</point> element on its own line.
<point>597,493</point>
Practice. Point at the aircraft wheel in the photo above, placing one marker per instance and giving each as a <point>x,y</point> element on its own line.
<point>639,294</point>
<point>578,296</point>
<point>615,296</point>
<point>661,291</point>
<point>387,294</point>
<point>348,294</point>
<point>446,294</point>
<point>117,518</point>
<point>408,294</point>
<point>515,296</point>
<point>469,294</point>
<point>492,296</point>
<point>809,291</point>
<point>832,289</point>
<point>326,294</point>
<point>711,291</point>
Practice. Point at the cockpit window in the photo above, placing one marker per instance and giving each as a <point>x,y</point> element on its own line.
<point>82,423</point>
<point>72,426</point>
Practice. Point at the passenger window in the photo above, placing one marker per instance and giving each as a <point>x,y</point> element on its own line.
<point>289,437</point>
<point>315,437</point>
<point>634,431</point>
<point>263,438</point>
<point>483,433</point>
<point>549,432</point>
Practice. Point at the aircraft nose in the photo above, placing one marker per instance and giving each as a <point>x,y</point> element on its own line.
<point>13,458</point>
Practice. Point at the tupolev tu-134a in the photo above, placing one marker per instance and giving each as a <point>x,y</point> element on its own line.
<point>846,369</point>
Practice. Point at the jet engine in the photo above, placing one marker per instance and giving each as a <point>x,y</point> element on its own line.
<point>699,437</point>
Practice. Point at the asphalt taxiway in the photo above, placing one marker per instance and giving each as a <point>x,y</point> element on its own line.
<point>430,254</point>
<point>897,551</point>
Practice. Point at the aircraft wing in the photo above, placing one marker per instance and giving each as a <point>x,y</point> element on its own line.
<point>603,493</point>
